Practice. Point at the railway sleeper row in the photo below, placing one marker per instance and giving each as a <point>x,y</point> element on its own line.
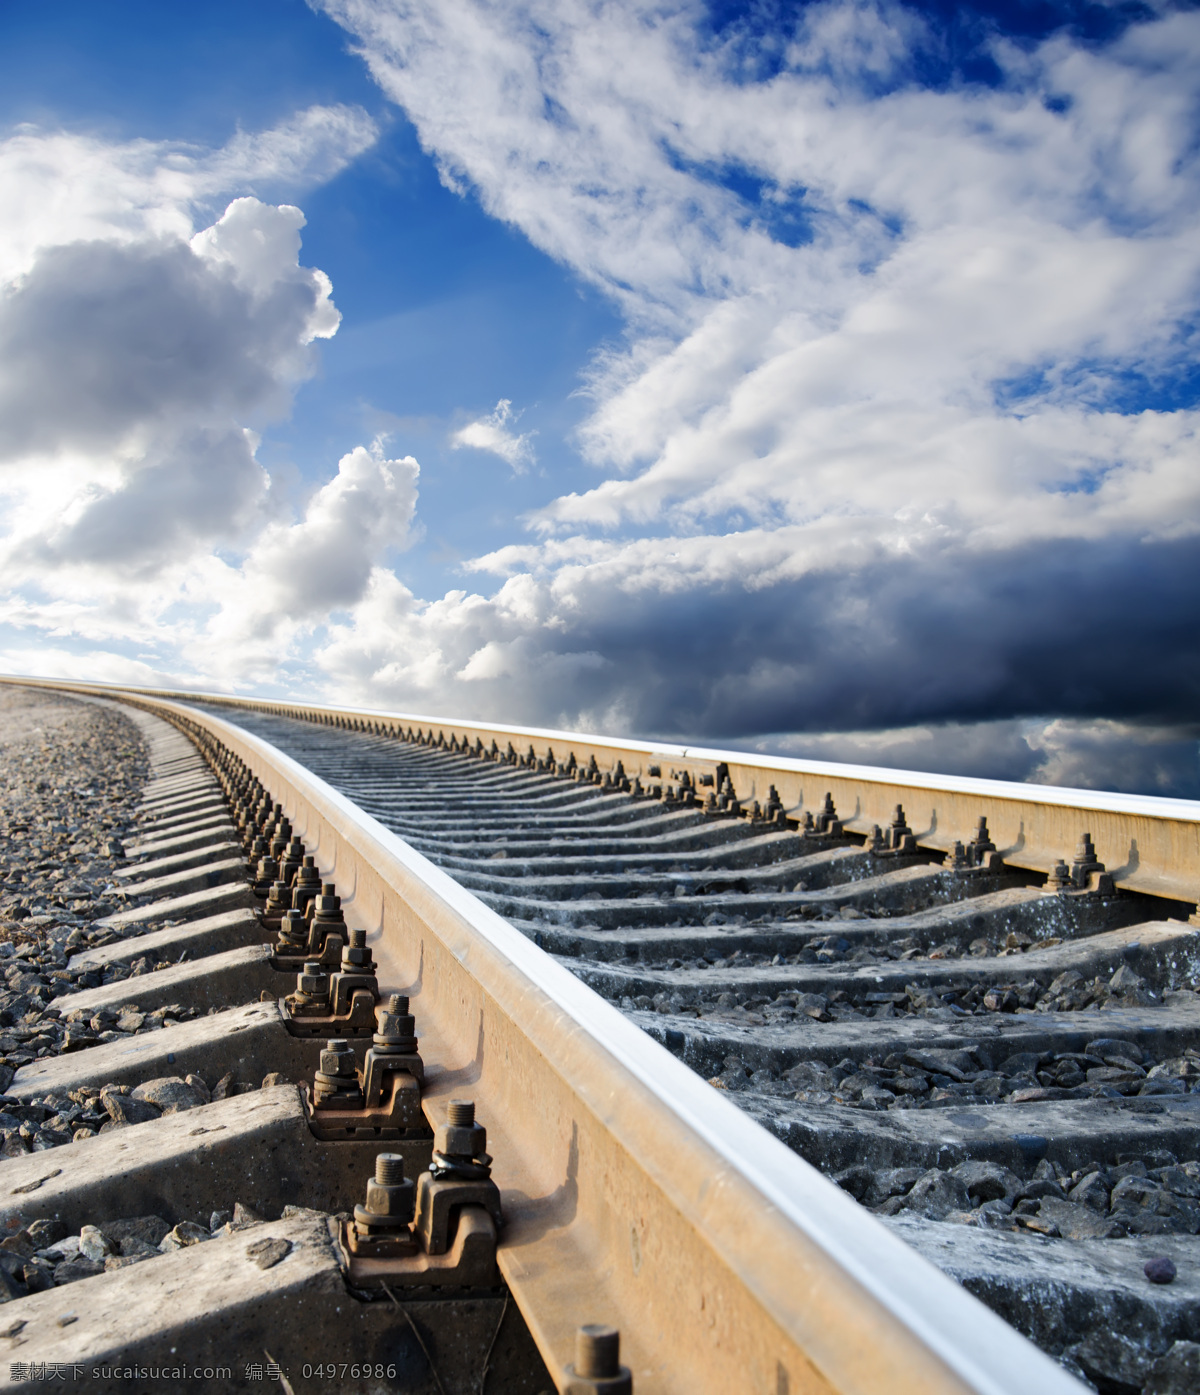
<point>213,1176</point>
<point>1003,1067</point>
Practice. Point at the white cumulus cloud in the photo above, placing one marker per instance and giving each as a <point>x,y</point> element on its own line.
<point>145,340</point>
<point>294,576</point>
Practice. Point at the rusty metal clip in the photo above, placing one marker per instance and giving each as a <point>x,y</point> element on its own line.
<point>320,934</point>
<point>341,1004</point>
<point>381,1247</point>
<point>383,1100</point>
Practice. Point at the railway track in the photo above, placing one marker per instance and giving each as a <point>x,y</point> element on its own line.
<point>986,1033</point>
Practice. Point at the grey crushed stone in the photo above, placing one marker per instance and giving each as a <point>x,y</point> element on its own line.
<point>1109,1068</point>
<point>71,775</point>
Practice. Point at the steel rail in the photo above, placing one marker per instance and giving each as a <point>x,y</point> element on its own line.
<point>1148,844</point>
<point>634,1193</point>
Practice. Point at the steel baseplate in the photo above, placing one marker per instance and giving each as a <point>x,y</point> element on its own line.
<point>469,1263</point>
<point>357,1021</point>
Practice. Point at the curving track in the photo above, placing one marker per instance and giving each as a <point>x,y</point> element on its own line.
<point>972,1048</point>
<point>1002,1069</point>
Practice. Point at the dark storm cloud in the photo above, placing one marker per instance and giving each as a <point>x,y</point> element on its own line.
<point>1083,753</point>
<point>1084,630</point>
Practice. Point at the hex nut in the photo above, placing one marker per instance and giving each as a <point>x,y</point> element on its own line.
<point>313,980</point>
<point>338,1059</point>
<point>462,1141</point>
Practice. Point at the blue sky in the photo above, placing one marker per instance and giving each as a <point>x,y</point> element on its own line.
<point>446,310</point>
<point>817,377</point>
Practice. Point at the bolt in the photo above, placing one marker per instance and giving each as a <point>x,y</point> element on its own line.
<point>460,1136</point>
<point>293,932</point>
<point>597,1352</point>
<point>395,1027</point>
<point>335,1084</point>
<point>305,885</point>
<point>277,898</point>
<point>394,1016</point>
<point>308,871</point>
<point>313,980</point>
<point>981,844</point>
<point>290,862</point>
<point>356,957</point>
<point>327,907</point>
<point>389,1169</point>
<point>329,902</point>
<point>1085,859</point>
<point>391,1197</point>
<point>1060,877</point>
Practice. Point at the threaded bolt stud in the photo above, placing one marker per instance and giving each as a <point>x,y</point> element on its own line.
<point>398,1005</point>
<point>597,1352</point>
<point>389,1169</point>
<point>462,1114</point>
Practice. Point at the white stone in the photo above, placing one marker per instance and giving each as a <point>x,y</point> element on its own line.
<point>93,1245</point>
